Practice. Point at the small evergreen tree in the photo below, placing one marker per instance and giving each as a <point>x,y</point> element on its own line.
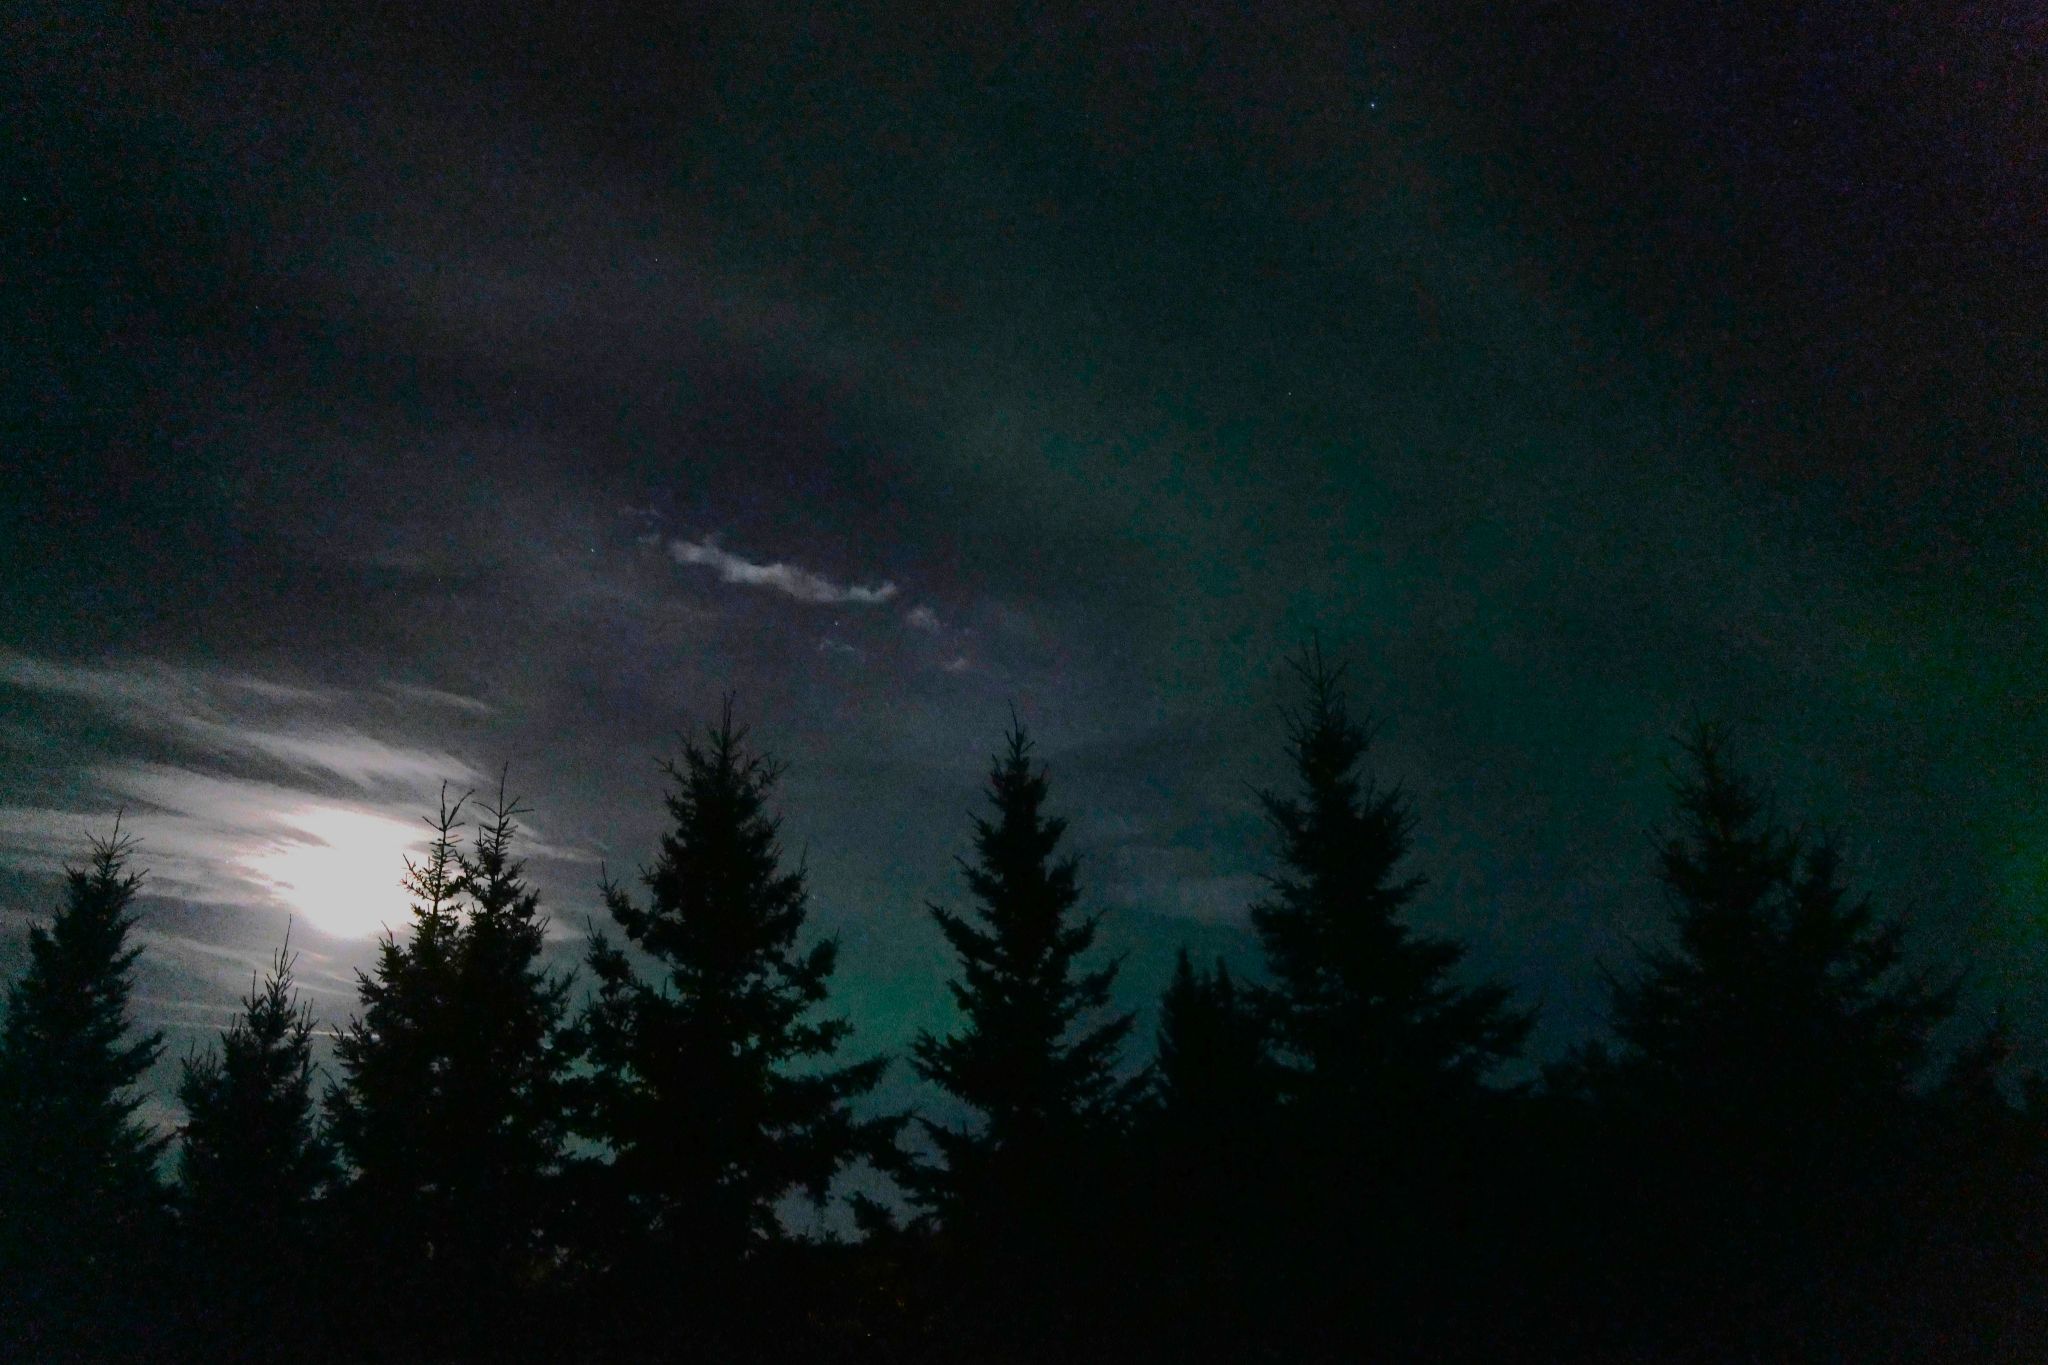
<point>1205,1165</point>
<point>1034,1056</point>
<point>78,1185</point>
<point>251,1167</point>
<point>713,1089</point>
<point>1212,1075</point>
<point>1365,1012</point>
<point>252,1160</point>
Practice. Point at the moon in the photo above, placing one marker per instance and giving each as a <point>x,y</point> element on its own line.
<point>340,869</point>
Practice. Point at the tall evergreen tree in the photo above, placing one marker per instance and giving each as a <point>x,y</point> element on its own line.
<point>451,1111</point>
<point>1365,1011</point>
<point>714,1089</point>
<point>78,1185</point>
<point>510,1054</point>
<point>390,1115</point>
<point>252,1159</point>
<point>1034,1055</point>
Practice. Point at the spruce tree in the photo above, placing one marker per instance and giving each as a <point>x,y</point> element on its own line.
<point>78,1185</point>
<point>1211,1075</point>
<point>510,1055</point>
<point>251,1166</point>
<point>1035,1054</point>
<point>252,1160</point>
<point>1766,1068</point>
<point>390,1114</point>
<point>1205,1165</point>
<point>1781,998</point>
<point>451,1113</point>
<point>713,1089</point>
<point>1365,1012</point>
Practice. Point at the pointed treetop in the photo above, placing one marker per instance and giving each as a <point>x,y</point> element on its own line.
<point>1361,1002</point>
<point>1036,1051</point>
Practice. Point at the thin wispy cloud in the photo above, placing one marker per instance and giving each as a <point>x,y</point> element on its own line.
<point>454,701</point>
<point>1178,881</point>
<point>235,715</point>
<point>787,579</point>
<point>356,758</point>
<point>923,618</point>
<point>151,685</point>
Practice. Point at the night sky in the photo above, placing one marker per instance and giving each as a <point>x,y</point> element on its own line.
<point>391,398</point>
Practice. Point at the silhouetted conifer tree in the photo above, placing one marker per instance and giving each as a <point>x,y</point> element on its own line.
<point>712,1088</point>
<point>390,1117</point>
<point>510,1056</point>
<point>1781,998</point>
<point>1767,1061</point>
<point>1212,1073</point>
<point>252,1159</point>
<point>1204,1162</point>
<point>79,1193</point>
<point>1382,1053</point>
<point>451,1112</point>
<point>1364,1010</point>
<point>1034,1056</point>
<point>251,1166</point>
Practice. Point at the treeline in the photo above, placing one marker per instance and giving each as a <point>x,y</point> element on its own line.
<point>1766,1159</point>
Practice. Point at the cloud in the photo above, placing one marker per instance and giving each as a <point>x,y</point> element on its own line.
<point>196,833</point>
<point>455,701</point>
<point>236,715</point>
<point>149,685</point>
<point>1178,881</point>
<point>923,618</point>
<point>354,757</point>
<point>787,579</point>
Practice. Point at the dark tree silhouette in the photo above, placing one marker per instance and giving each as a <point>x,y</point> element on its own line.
<point>79,1193</point>
<point>1365,1011</point>
<point>713,1088</point>
<point>1212,1074</point>
<point>391,1117</point>
<point>1766,1066</point>
<point>1781,997</point>
<point>1383,1054</point>
<point>451,1111</point>
<point>1034,1056</point>
<point>1204,1163</point>
<point>252,1160</point>
<point>251,1165</point>
<point>510,1055</point>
